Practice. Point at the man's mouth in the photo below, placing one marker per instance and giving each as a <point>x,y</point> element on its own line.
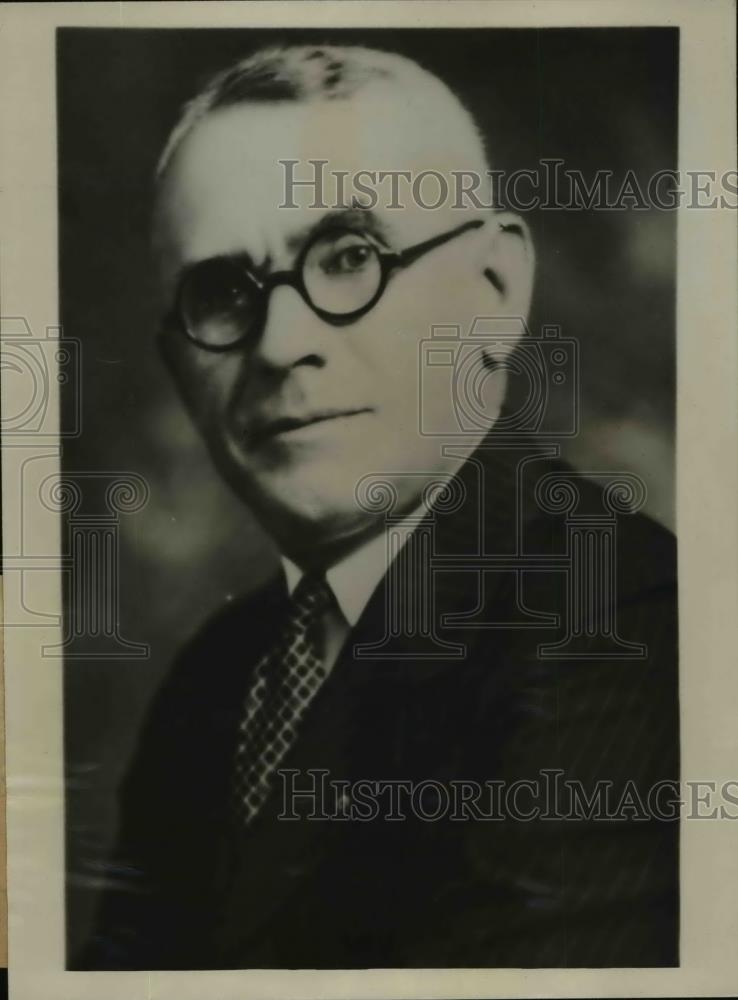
<point>264,431</point>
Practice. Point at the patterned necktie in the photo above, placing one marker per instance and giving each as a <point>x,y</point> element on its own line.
<point>285,681</point>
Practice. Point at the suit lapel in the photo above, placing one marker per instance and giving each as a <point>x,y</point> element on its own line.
<point>399,701</point>
<point>444,559</point>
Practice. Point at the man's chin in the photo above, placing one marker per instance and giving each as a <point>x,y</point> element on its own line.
<point>316,501</point>
<point>303,516</point>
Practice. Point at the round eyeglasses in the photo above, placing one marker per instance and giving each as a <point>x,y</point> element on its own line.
<point>340,273</point>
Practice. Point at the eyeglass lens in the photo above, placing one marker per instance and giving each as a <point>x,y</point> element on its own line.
<point>221,303</point>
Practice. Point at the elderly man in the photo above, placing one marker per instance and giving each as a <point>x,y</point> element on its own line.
<point>263,823</point>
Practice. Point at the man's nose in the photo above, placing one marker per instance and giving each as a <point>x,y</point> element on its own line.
<point>292,334</point>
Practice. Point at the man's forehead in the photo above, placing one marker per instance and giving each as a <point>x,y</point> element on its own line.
<point>375,129</point>
<point>240,166</point>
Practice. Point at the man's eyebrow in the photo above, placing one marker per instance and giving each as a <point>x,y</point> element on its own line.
<point>353,217</point>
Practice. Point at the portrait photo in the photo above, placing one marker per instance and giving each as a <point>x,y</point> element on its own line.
<point>376,382</point>
<point>369,549</point>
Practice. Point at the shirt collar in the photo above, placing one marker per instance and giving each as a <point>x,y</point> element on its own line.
<point>354,579</point>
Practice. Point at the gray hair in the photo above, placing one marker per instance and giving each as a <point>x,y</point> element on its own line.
<point>308,73</point>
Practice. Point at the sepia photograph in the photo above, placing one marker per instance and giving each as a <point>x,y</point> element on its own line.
<point>359,433</point>
<point>383,462</point>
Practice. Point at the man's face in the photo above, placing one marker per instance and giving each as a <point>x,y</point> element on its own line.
<point>297,415</point>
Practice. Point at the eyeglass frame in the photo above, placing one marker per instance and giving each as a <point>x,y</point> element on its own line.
<point>389,262</point>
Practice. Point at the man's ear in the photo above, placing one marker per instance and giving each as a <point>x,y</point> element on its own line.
<point>508,263</point>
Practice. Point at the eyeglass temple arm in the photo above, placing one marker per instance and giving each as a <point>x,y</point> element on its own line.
<point>406,257</point>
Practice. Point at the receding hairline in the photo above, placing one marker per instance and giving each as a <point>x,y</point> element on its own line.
<point>310,73</point>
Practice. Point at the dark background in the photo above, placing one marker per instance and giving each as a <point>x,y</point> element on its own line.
<point>596,98</point>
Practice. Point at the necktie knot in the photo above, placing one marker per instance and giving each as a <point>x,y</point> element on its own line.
<point>311,597</point>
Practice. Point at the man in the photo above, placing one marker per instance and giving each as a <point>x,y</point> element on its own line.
<point>407,642</point>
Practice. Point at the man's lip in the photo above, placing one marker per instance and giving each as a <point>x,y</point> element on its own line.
<point>266,430</point>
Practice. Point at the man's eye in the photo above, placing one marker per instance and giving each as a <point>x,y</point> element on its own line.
<point>230,295</point>
<point>348,260</point>
<point>215,287</point>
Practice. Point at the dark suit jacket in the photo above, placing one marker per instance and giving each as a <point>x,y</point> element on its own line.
<point>195,892</point>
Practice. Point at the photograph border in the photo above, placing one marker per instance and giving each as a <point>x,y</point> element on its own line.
<point>707,507</point>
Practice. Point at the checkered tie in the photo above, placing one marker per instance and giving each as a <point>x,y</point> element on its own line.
<point>285,682</point>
